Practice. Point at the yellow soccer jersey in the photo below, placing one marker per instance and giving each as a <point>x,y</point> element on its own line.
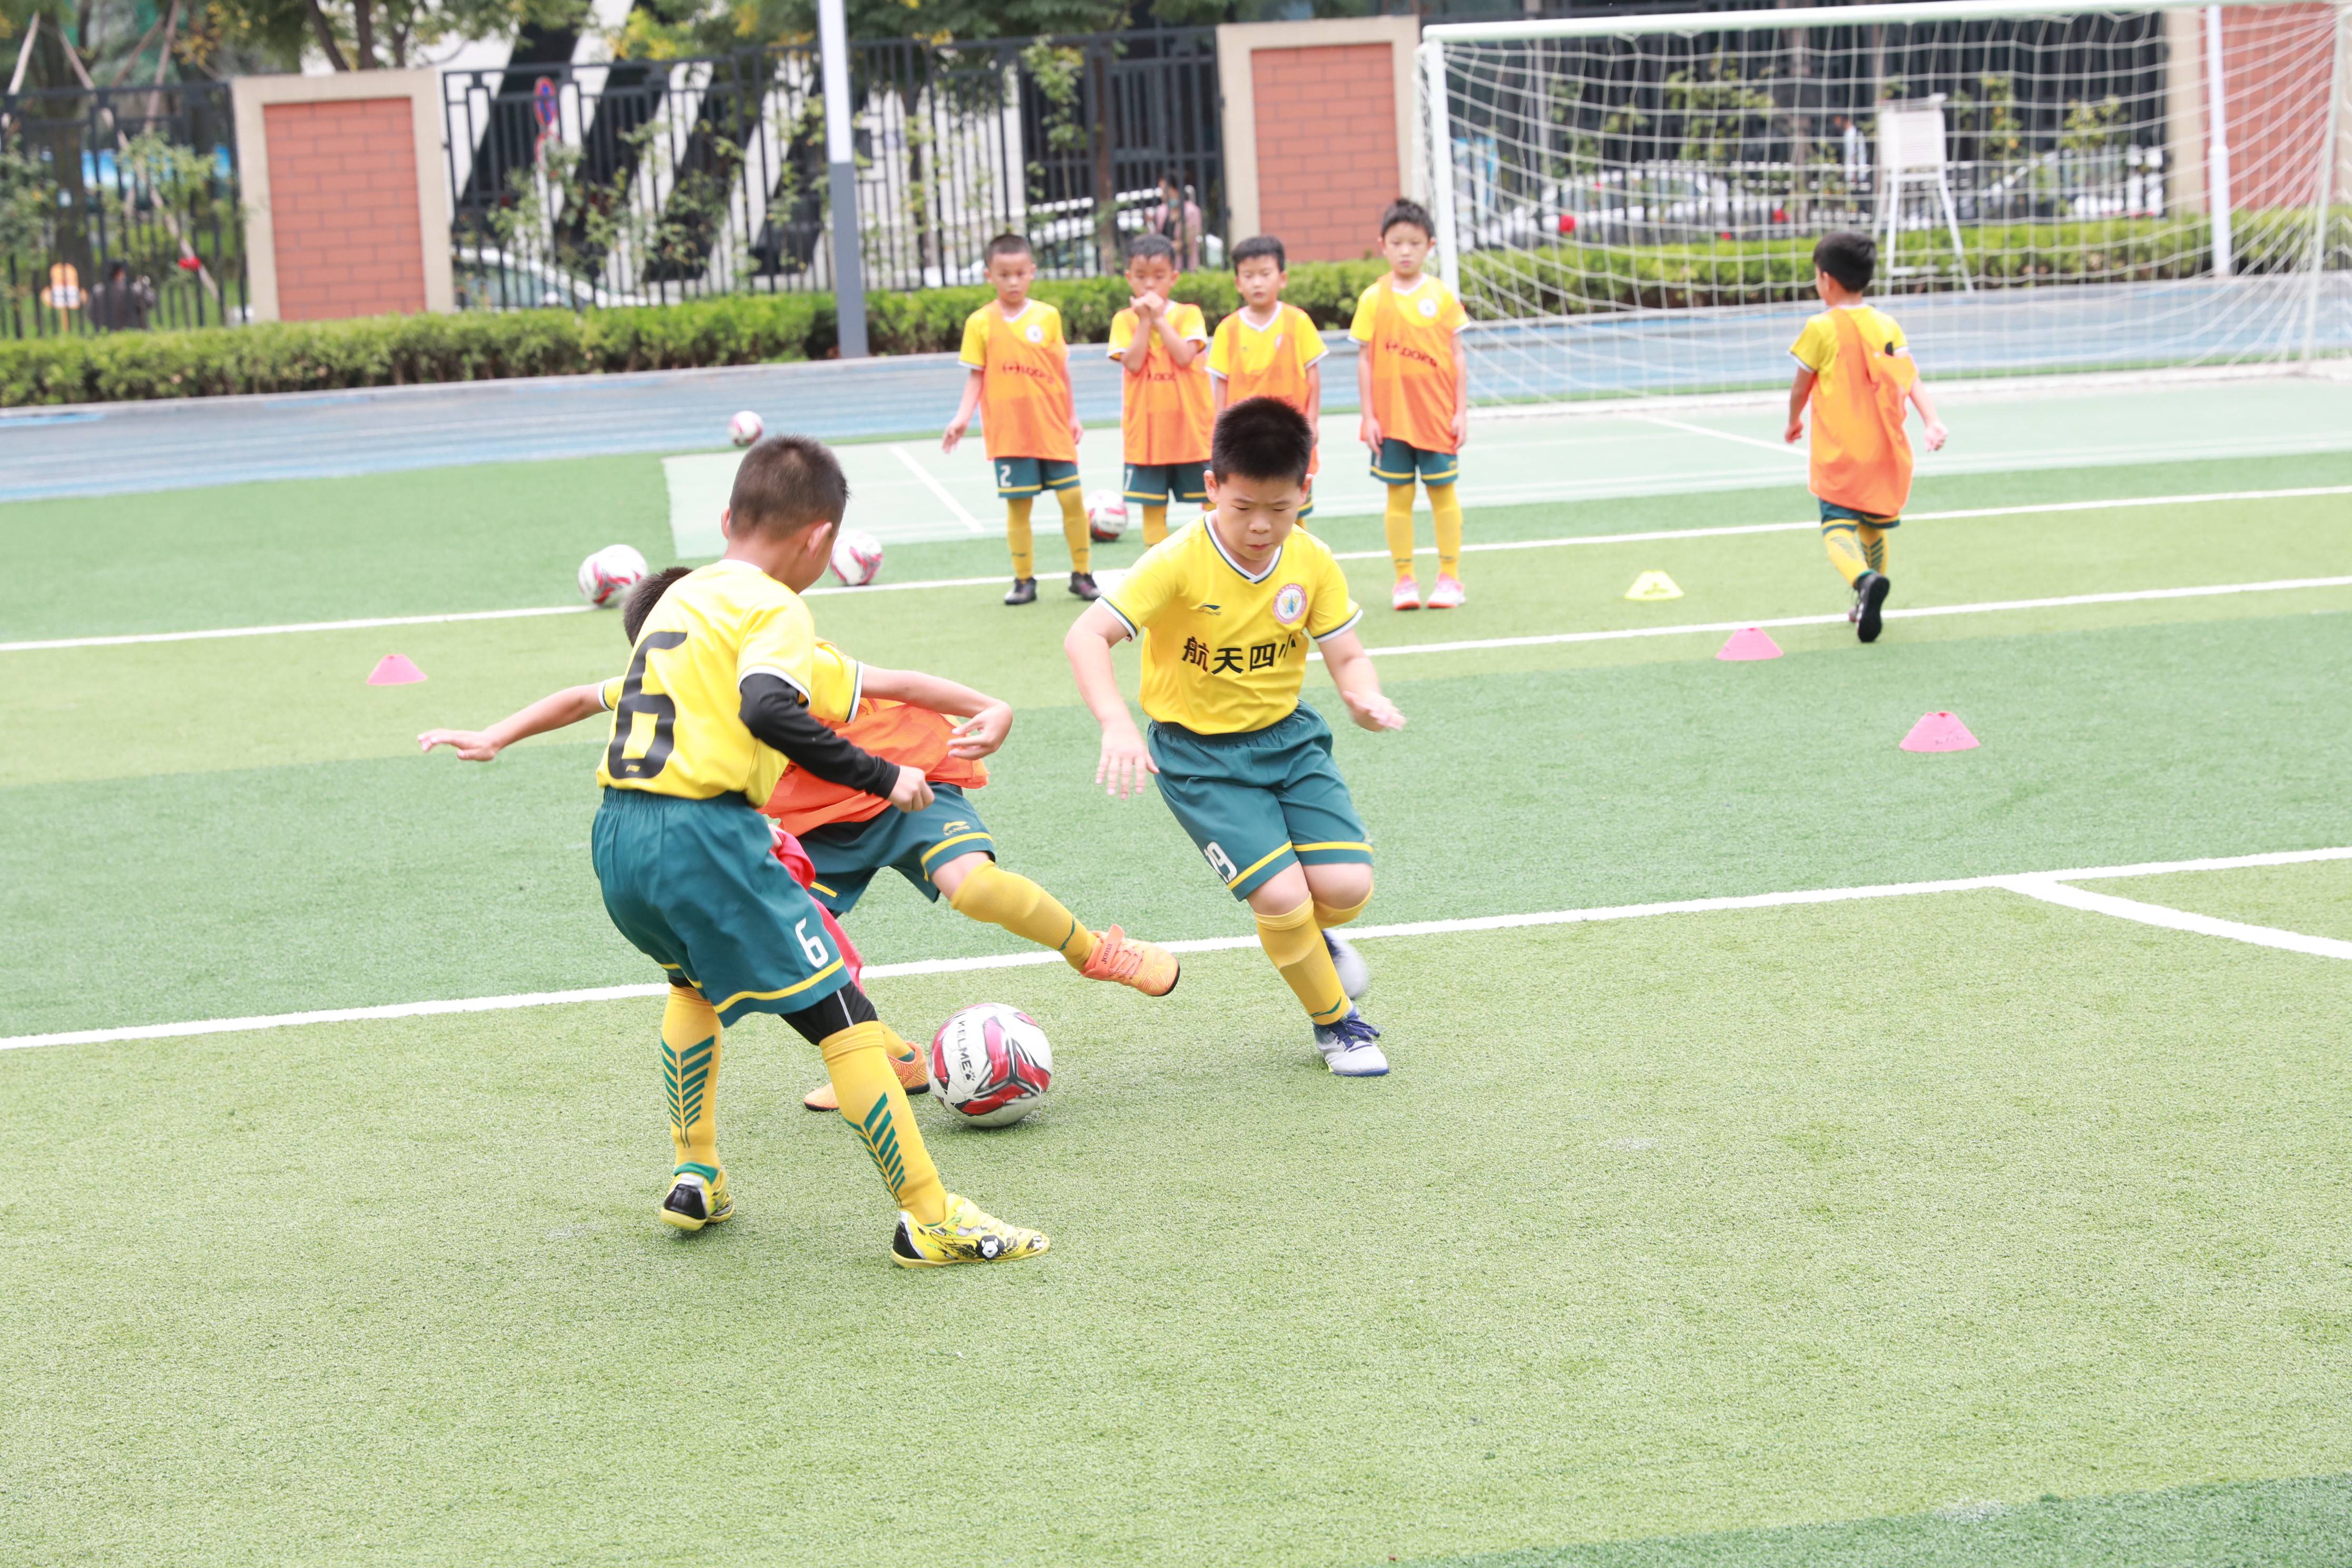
<point>1224,652</point>
<point>677,725</point>
<point>1816,346</point>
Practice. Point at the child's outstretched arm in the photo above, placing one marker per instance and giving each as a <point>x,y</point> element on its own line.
<point>1799,390</point>
<point>965,409</point>
<point>986,721</point>
<point>1926,406</point>
<point>1125,764</point>
<point>569,706</point>
<point>1360,687</point>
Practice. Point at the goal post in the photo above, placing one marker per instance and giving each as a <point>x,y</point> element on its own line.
<point>1628,205</point>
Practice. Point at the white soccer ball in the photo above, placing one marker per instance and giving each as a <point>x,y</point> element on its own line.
<point>606,577</point>
<point>1105,516</point>
<point>857,557</point>
<point>990,1064</point>
<point>744,428</point>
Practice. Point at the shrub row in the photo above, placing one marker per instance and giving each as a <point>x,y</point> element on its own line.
<point>753,329</point>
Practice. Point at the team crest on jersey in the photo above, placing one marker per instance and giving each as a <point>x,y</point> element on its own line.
<point>1289,604</point>
<point>1429,307</point>
<point>1035,333</point>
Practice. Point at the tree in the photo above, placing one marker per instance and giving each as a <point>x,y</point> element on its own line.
<point>371,35</point>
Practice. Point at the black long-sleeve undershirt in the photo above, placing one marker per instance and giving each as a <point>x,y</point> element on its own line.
<point>779,716</point>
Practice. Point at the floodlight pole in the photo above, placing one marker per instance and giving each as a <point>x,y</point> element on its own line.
<point>2217,138</point>
<point>841,174</point>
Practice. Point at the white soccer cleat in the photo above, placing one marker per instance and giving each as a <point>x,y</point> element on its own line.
<point>1355,977</point>
<point>1407,595</point>
<point>1448,594</point>
<point>1348,1049</point>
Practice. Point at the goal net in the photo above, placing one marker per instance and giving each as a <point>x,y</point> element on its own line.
<point>1629,205</point>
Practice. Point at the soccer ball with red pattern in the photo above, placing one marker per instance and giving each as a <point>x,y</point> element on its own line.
<point>609,574</point>
<point>990,1064</point>
<point>1106,515</point>
<point>857,557</point>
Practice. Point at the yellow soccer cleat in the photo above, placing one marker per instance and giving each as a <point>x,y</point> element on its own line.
<point>1149,967</point>
<point>695,1201</point>
<point>966,1236</point>
<point>913,1076</point>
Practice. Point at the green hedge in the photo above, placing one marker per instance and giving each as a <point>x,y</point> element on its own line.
<point>753,329</point>
<point>402,350</point>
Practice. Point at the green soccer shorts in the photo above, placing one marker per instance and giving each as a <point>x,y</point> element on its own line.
<point>1832,513</point>
<point>1261,800</point>
<point>846,855</point>
<point>1400,461</point>
<point>696,886</point>
<point>1018,477</point>
<point>1151,484</point>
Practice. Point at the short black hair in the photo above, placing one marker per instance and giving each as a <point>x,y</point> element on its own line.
<point>787,483</point>
<point>1262,438</point>
<point>643,597</point>
<point>1007,245</point>
<point>1143,246</point>
<point>1258,245</point>
<point>1852,258</point>
<point>1404,209</point>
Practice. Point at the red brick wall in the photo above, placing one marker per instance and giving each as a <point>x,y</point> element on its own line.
<point>1327,146</point>
<point>2275,64</point>
<point>342,202</point>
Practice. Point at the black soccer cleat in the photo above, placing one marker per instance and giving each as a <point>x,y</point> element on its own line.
<point>1025,592</point>
<point>1082,584</point>
<point>1870,591</point>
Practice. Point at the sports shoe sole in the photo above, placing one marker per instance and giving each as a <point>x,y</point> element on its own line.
<point>1873,603</point>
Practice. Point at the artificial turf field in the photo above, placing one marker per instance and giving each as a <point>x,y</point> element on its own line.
<point>1935,1227</point>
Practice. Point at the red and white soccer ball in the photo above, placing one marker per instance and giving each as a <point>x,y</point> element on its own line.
<point>1105,516</point>
<point>606,577</point>
<point>857,557</point>
<point>990,1064</point>
<point>744,428</point>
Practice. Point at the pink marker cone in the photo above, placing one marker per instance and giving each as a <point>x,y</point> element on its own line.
<point>1751,643</point>
<point>395,670</point>
<point>1938,733</point>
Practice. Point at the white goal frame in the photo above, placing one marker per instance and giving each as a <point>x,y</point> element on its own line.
<point>2299,298</point>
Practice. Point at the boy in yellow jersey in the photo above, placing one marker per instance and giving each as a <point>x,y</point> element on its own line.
<point>847,836</point>
<point>1227,610</point>
<point>1020,383</point>
<point>1268,349</point>
<point>1413,380</point>
<point>1854,369</point>
<point>1164,417</point>
<point>713,709</point>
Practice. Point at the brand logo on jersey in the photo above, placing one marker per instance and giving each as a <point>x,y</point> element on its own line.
<point>1208,609</point>
<point>1429,307</point>
<point>1289,604</point>
<point>1035,333</point>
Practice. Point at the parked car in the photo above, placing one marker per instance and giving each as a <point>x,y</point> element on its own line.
<point>492,280</point>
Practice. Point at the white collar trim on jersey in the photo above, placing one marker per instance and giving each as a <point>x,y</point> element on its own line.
<point>1219,546</point>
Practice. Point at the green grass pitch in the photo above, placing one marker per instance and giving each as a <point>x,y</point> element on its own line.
<point>1941,1228</point>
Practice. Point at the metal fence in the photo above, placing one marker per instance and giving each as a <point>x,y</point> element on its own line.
<point>640,181</point>
<point>119,210</point>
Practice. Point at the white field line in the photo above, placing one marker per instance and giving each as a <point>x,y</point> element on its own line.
<point>1644,538</point>
<point>1780,447</point>
<point>1990,606</point>
<point>1037,957</point>
<point>2050,891</point>
<point>931,482</point>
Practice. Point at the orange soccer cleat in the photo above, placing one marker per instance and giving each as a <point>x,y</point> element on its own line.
<point>1149,967</point>
<point>913,1076</point>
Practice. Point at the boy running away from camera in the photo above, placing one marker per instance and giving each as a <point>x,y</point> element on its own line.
<point>1413,380</point>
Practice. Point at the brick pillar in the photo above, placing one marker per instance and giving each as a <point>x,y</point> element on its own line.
<point>1321,130</point>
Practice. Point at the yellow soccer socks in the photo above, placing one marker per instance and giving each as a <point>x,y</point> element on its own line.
<point>1845,552</point>
<point>1445,506</point>
<point>689,1051</point>
<point>1155,525</point>
<point>1294,943</point>
<point>1007,899</point>
<point>1017,535</point>
<point>1874,547</point>
<point>1398,520</point>
<point>858,1061</point>
<point>1073,530</point>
